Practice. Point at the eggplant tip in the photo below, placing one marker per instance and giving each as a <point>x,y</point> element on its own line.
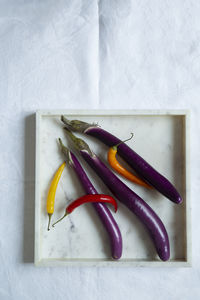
<point>179,200</point>
<point>115,257</point>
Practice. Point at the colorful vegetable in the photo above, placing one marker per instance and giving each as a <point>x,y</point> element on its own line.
<point>142,168</point>
<point>113,162</point>
<point>101,209</point>
<point>52,192</point>
<point>86,199</point>
<point>124,194</point>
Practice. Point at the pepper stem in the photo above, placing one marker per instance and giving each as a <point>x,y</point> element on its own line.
<point>50,215</point>
<point>60,219</point>
<point>132,134</point>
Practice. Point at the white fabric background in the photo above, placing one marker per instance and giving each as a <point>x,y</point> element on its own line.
<point>90,54</point>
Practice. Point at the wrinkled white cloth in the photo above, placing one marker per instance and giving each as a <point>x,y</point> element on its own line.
<point>90,54</point>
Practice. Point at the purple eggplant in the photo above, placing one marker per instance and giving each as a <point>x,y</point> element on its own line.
<point>130,199</point>
<point>101,209</point>
<point>141,167</point>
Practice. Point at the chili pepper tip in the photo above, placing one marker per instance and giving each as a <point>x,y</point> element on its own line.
<point>50,215</point>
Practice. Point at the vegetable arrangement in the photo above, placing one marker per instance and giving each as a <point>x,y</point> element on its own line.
<point>101,209</point>
<point>147,177</point>
<point>125,195</point>
<point>142,168</point>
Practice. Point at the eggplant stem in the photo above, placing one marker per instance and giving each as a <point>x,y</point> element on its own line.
<point>77,125</point>
<point>78,143</point>
<point>62,146</point>
<point>65,151</point>
<point>65,120</point>
<point>60,219</point>
<point>71,135</point>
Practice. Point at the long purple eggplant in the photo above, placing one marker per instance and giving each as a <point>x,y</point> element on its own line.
<point>124,194</point>
<point>101,209</point>
<point>142,168</point>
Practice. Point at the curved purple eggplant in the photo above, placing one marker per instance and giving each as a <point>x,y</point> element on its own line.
<point>101,209</point>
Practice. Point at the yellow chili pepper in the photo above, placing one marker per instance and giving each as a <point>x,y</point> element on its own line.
<point>52,192</point>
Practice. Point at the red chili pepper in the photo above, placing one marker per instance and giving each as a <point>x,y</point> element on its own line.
<point>88,198</point>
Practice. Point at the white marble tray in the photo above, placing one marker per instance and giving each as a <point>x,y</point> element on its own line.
<point>161,137</point>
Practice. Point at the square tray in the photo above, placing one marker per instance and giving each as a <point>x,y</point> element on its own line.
<point>161,138</point>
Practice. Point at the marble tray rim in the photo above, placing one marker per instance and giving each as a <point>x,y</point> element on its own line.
<point>185,113</point>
